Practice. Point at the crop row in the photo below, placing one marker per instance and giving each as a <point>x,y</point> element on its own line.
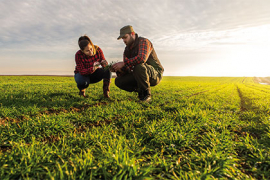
<point>195,128</point>
<point>29,98</point>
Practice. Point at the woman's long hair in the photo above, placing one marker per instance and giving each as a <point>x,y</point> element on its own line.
<point>84,41</point>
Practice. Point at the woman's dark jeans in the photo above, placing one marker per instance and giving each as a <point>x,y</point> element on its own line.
<point>84,81</point>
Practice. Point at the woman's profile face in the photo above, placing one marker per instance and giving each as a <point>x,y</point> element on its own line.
<point>88,50</point>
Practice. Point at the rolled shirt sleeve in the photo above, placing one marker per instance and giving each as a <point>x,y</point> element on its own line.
<point>145,48</point>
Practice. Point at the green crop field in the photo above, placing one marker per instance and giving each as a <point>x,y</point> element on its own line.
<point>194,128</point>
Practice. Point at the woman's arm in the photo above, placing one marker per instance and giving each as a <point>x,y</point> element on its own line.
<point>101,56</point>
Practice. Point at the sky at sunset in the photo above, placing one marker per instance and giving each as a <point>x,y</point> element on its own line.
<point>191,37</point>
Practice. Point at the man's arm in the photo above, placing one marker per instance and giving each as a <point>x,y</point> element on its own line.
<point>145,48</point>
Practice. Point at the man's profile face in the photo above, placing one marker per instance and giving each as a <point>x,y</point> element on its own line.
<point>128,39</point>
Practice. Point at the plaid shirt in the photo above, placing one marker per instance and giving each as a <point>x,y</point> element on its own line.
<point>145,48</point>
<point>84,63</point>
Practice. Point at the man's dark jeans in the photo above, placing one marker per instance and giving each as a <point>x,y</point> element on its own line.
<point>142,77</point>
<point>84,81</point>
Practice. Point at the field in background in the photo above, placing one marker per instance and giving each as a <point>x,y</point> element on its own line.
<point>195,127</point>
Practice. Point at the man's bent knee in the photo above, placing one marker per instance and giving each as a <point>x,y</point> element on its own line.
<point>117,82</point>
<point>126,83</point>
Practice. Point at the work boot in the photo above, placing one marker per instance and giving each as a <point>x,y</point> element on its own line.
<point>140,94</point>
<point>82,93</point>
<point>106,87</point>
<point>145,95</point>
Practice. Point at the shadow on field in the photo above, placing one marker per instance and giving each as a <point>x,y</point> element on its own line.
<point>23,104</point>
<point>61,94</point>
<point>245,103</point>
<point>250,114</point>
<point>259,132</point>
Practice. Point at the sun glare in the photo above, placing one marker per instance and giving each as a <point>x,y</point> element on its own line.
<point>249,60</point>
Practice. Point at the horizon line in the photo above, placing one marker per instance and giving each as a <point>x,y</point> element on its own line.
<point>115,75</point>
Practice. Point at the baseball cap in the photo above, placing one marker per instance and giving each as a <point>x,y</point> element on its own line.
<point>125,30</point>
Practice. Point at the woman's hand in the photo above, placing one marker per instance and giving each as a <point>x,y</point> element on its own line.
<point>104,63</point>
<point>96,66</point>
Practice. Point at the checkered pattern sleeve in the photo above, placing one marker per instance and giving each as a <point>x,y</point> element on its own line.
<point>100,55</point>
<point>145,48</point>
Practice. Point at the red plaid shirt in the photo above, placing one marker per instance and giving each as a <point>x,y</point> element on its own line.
<point>84,63</point>
<point>145,48</point>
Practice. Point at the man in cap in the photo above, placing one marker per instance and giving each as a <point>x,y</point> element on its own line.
<point>140,68</point>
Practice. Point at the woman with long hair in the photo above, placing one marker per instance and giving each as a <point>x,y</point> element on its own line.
<point>90,64</point>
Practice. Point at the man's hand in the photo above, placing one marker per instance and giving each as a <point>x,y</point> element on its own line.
<point>117,66</point>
